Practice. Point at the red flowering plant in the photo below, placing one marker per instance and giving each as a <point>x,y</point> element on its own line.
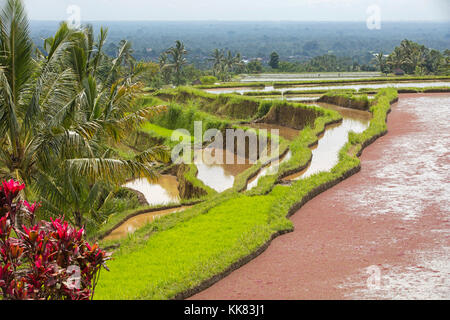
<point>49,260</point>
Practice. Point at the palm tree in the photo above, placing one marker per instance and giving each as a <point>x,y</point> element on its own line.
<point>165,68</point>
<point>380,61</point>
<point>217,59</point>
<point>413,55</point>
<point>178,60</point>
<point>229,61</point>
<point>239,65</point>
<point>58,109</point>
<point>395,59</point>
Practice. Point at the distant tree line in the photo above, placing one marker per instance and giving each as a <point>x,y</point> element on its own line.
<point>413,58</point>
<point>409,58</point>
<point>173,68</point>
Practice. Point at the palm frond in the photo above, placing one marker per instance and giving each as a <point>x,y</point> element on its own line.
<point>115,171</point>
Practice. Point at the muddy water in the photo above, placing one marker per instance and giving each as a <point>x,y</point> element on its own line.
<point>219,175</point>
<point>326,154</point>
<point>333,87</point>
<point>272,168</point>
<point>132,224</point>
<point>163,191</point>
<point>285,132</point>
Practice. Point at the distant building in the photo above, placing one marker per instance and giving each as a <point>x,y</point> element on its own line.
<point>399,72</point>
<point>196,82</point>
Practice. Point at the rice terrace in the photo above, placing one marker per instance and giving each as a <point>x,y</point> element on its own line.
<point>148,157</point>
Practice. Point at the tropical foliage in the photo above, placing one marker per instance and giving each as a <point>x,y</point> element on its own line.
<point>414,58</point>
<point>172,62</point>
<point>224,65</point>
<point>274,60</point>
<point>47,260</point>
<point>60,108</point>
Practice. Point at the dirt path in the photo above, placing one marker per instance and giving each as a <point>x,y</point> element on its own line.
<point>390,222</point>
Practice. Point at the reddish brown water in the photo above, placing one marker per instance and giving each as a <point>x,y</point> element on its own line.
<point>334,87</point>
<point>392,219</point>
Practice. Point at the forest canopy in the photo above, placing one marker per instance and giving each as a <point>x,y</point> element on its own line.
<point>293,41</point>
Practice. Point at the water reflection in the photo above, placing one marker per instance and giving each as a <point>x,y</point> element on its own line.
<point>270,169</point>
<point>333,87</point>
<point>134,223</point>
<point>219,175</point>
<point>160,192</point>
<point>326,155</point>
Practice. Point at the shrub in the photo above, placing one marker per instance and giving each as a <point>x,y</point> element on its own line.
<point>208,80</point>
<point>46,261</point>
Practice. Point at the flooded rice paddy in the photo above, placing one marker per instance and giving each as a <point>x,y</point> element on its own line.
<point>326,154</point>
<point>285,132</point>
<point>219,176</point>
<point>271,168</point>
<point>161,192</point>
<point>333,87</point>
<point>139,221</point>
<point>270,77</point>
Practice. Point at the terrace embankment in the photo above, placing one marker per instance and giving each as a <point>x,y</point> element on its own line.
<point>285,132</point>
<point>187,187</point>
<point>325,155</point>
<point>391,219</point>
<point>346,101</point>
<point>230,106</point>
<point>231,153</point>
<point>289,115</point>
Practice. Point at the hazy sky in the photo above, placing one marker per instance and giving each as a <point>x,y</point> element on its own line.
<point>299,10</point>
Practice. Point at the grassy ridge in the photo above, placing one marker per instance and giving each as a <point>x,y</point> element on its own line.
<point>409,90</point>
<point>356,81</point>
<point>346,100</point>
<point>184,116</point>
<point>324,81</point>
<point>178,258</point>
<point>301,153</point>
<point>231,85</point>
<point>294,92</point>
<point>222,105</point>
